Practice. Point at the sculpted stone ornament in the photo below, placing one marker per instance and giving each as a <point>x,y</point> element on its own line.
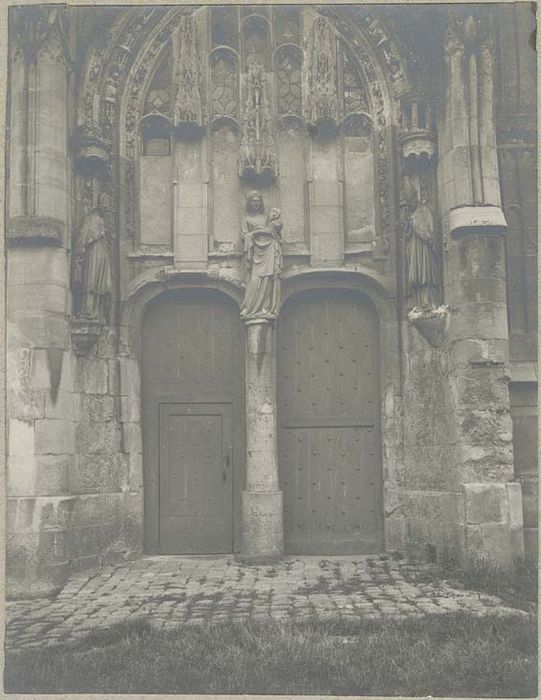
<point>41,30</point>
<point>110,91</point>
<point>422,272</point>
<point>257,149</point>
<point>262,236</point>
<point>93,279</point>
<point>188,106</point>
<point>322,99</point>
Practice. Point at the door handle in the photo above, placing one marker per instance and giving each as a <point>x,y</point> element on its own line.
<point>228,462</point>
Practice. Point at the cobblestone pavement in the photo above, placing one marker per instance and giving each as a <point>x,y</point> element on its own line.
<point>172,591</point>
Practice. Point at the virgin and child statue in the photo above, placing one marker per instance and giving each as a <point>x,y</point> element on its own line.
<point>262,238</point>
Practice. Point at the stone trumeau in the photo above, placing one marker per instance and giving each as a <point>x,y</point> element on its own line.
<point>315,226</point>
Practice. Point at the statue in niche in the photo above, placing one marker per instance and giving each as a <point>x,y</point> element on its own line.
<point>422,273</point>
<point>262,237</point>
<point>93,278</point>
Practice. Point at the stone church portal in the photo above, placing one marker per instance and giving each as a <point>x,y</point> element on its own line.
<point>271,283</point>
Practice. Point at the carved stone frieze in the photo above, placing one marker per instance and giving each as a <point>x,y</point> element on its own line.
<point>30,229</point>
<point>322,104</point>
<point>131,201</point>
<point>188,116</point>
<point>385,46</point>
<point>257,149</point>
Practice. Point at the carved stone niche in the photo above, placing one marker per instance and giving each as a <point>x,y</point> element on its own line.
<point>417,139</point>
<point>90,150</point>
<point>84,334</point>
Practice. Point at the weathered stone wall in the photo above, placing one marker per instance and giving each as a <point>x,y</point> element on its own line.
<point>517,148</point>
<point>424,503</point>
<point>106,474</point>
<point>74,450</point>
<point>41,429</point>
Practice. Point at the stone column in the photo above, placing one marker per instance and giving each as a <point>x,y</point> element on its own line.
<point>40,399</point>
<point>262,536</point>
<point>474,228</point>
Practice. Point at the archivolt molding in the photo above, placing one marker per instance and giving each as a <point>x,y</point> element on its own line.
<point>147,288</point>
<point>135,40</point>
<point>370,284</point>
<point>108,61</point>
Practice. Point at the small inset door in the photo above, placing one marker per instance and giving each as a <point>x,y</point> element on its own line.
<point>196,478</point>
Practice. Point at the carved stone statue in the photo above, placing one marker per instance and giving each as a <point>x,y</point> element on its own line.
<point>262,236</point>
<point>93,276</point>
<point>422,272</point>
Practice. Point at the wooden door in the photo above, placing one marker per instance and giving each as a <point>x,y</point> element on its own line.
<point>193,423</point>
<point>328,412</point>
<point>196,482</point>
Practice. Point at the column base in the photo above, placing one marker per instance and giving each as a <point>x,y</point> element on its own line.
<point>262,530</point>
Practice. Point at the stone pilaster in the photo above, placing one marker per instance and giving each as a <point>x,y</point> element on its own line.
<point>262,522</point>
<point>474,228</point>
<point>40,401</point>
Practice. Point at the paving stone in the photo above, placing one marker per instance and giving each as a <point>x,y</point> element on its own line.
<point>173,591</point>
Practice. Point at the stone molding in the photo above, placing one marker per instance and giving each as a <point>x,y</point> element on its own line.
<point>31,229</point>
<point>476,219</point>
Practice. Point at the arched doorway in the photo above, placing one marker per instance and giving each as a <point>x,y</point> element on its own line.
<point>192,373</point>
<point>329,423</point>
